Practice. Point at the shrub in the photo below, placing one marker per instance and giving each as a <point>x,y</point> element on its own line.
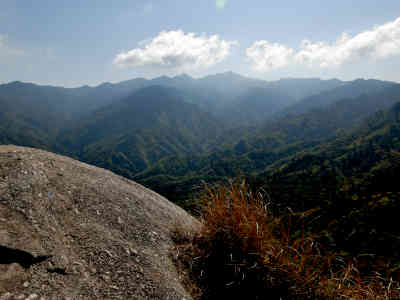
<point>244,252</point>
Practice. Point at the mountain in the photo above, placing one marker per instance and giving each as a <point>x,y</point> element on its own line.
<point>130,134</point>
<point>300,88</point>
<point>51,107</point>
<point>73,231</point>
<point>34,115</point>
<point>340,182</point>
<point>255,105</point>
<point>346,180</point>
<point>21,129</point>
<point>47,109</point>
<point>220,94</point>
<point>348,90</point>
<point>230,84</point>
<point>319,153</point>
<point>325,164</point>
<point>242,100</point>
<point>264,147</point>
<point>185,128</point>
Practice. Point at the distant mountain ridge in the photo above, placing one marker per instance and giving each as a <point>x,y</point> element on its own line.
<point>349,90</point>
<point>260,148</point>
<point>212,127</point>
<point>142,128</point>
<point>35,115</point>
<point>210,92</point>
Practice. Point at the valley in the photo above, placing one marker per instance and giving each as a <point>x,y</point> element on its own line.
<point>326,150</point>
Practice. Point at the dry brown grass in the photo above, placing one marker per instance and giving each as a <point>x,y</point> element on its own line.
<point>243,252</point>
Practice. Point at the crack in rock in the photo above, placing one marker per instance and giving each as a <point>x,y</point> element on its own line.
<point>23,258</point>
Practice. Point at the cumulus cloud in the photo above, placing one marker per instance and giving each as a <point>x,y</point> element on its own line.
<point>266,56</point>
<point>378,43</point>
<point>177,50</point>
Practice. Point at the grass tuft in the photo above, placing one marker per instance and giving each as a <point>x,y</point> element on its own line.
<point>244,252</point>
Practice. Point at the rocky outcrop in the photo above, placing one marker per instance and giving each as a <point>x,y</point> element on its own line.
<point>69,230</point>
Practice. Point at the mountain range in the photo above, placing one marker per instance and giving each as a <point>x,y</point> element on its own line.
<point>324,148</point>
<point>133,126</point>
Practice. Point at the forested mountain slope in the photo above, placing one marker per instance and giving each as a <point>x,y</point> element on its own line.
<point>182,130</point>
<point>152,123</point>
<point>346,182</point>
<point>348,90</point>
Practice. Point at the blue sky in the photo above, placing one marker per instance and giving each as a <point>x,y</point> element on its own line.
<point>73,43</point>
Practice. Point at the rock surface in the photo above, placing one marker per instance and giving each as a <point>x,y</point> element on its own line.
<point>69,230</point>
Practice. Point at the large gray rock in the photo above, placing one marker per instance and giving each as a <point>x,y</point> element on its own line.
<point>69,230</point>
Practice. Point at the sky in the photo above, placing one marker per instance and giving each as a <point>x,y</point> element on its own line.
<point>74,43</point>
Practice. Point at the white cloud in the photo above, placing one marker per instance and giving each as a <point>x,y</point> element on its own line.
<point>266,56</point>
<point>381,42</point>
<point>177,50</point>
<point>378,43</point>
<point>220,4</point>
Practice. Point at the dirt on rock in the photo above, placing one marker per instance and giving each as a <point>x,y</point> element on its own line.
<point>69,230</point>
